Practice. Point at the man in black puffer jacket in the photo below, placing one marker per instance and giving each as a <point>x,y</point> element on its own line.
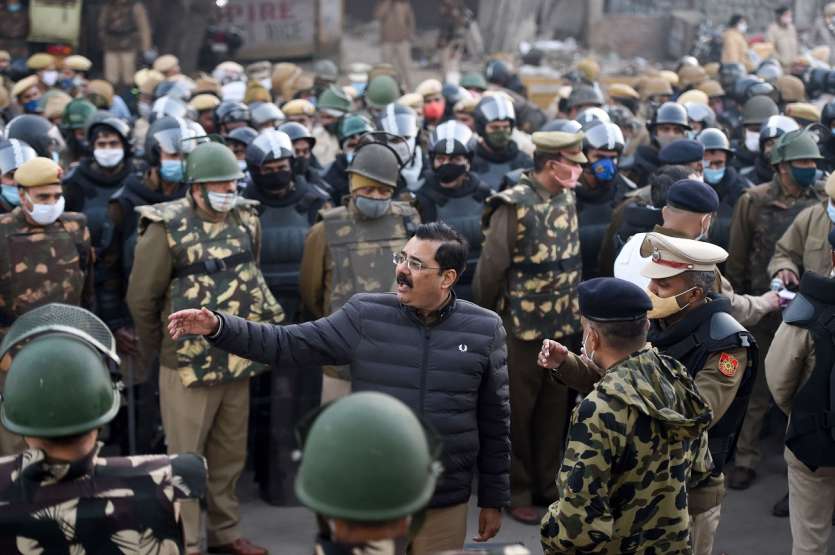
<point>445,358</point>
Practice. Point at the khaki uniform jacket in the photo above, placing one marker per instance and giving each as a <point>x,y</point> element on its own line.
<point>789,363</point>
<point>735,48</point>
<point>804,247</point>
<point>315,275</point>
<point>397,21</point>
<point>823,36</point>
<point>784,40</point>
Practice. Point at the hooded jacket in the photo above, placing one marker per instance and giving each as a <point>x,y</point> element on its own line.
<point>635,444</point>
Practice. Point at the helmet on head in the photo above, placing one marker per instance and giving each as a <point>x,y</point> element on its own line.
<point>212,162</point>
<point>263,113</point>
<point>729,74</point>
<point>269,145</point>
<point>715,139</point>
<point>795,145</point>
<point>769,70</point>
<point>378,162</point>
<point>112,124</point>
<point>231,112</point>
<point>758,109</point>
<point>398,120</point>
<point>352,125</point>
<point>828,114</point>
<point>497,72</point>
<point>381,90</point>
<point>604,136</point>
<point>167,106</point>
<point>380,443</point>
<point>59,382</point>
<point>242,135</point>
<point>296,132</point>
<point>493,108</point>
<point>585,95</point>
<point>564,125</point>
<point>671,113</point>
<point>173,135</point>
<point>450,138</point>
<point>333,99</point>
<point>775,127</point>
<point>36,131</point>
<point>13,153</point>
<point>700,113</point>
<point>592,116</point>
<point>78,114</point>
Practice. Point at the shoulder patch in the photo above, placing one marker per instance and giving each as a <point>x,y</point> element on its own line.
<point>728,364</point>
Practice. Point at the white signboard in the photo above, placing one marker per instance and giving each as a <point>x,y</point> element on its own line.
<point>274,28</point>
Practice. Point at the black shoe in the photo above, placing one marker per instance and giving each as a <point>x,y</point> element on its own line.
<point>741,477</point>
<point>781,508</point>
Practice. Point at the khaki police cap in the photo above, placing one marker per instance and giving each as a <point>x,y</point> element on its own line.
<point>24,85</point>
<point>622,90</point>
<point>691,75</point>
<point>77,63</point>
<point>298,107</point>
<point>671,256</point>
<point>712,70</point>
<point>5,56</point>
<point>830,186</point>
<point>820,53</point>
<point>166,63</point>
<point>711,88</point>
<point>38,172</point>
<point>693,95</point>
<point>567,144</point>
<point>412,100</point>
<point>466,105</point>
<point>655,86</point>
<point>430,87</point>
<point>763,49</point>
<point>803,112</point>
<point>101,88</point>
<point>669,76</point>
<point>203,102</point>
<point>39,61</point>
<point>791,88</point>
<point>589,68</point>
<point>147,80</point>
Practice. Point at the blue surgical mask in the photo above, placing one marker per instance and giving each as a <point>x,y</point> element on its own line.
<point>804,177</point>
<point>14,8</point>
<point>10,194</point>
<point>604,169</point>
<point>56,157</point>
<point>32,107</point>
<point>171,171</point>
<point>714,175</point>
<point>829,209</point>
<point>349,156</point>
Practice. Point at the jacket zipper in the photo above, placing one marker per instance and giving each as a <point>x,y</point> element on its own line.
<point>423,369</point>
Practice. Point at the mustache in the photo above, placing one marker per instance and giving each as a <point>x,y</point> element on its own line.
<point>403,279</point>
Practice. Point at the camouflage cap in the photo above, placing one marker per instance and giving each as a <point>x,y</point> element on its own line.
<point>77,62</point>
<point>39,61</point>
<point>569,145</point>
<point>38,172</point>
<point>671,256</point>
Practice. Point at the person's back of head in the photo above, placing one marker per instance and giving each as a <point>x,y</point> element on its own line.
<point>661,180</point>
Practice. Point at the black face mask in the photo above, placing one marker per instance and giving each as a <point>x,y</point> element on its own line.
<point>332,128</point>
<point>273,182</point>
<point>448,173</point>
<point>300,165</point>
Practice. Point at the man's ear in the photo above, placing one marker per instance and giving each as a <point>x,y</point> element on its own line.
<point>450,277</point>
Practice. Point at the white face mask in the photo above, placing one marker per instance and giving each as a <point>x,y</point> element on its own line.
<point>49,77</point>
<point>222,202</point>
<point>45,214</point>
<point>743,27</point>
<point>752,141</point>
<point>108,157</point>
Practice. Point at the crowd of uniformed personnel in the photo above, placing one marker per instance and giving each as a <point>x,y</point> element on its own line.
<point>660,244</point>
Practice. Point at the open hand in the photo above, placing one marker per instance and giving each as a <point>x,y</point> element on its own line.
<point>192,321</point>
<point>489,524</point>
<point>552,354</point>
<point>788,277</point>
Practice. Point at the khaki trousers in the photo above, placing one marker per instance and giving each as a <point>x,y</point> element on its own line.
<point>399,54</point>
<point>119,67</point>
<point>538,423</point>
<point>444,529</point>
<point>210,421</point>
<point>334,388</point>
<point>811,501</point>
<point>748,443</point>
<point>703,530</point>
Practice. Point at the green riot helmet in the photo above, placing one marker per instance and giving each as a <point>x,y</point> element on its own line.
<point>78,114</point>
<point>382,90</point>
<point>367,458</point>
<point>334,100</point>
<point>212,162</point>
<point>59,382</point>
<point>758,109</point>
<point>352,125</point>
<point>796,145</point>
<point>473,80</point>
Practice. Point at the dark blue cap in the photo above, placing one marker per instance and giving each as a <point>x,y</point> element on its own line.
<point>693,196</point>
<point>832,239</point>
<point>682,151</point>
<point>608,299</point>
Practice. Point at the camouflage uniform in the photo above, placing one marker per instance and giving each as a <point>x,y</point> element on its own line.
<point>41,265</point>
<point>347,253</point>
<point>96,505</point>
<point>528,272</point>
<point>186,262</point>
<point>762,214</point>
<point>645,414</point>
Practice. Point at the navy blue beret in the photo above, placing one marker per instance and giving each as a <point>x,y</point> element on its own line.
<point>608,299</point>
<point>682,151</point>
<point>693,196</point>
<point>832,239</point>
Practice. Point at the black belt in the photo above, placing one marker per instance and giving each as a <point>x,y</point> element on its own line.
<point>214,265</point>
<point>564,265</point>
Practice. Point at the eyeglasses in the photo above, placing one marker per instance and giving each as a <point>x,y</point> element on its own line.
<point>411,263</point>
